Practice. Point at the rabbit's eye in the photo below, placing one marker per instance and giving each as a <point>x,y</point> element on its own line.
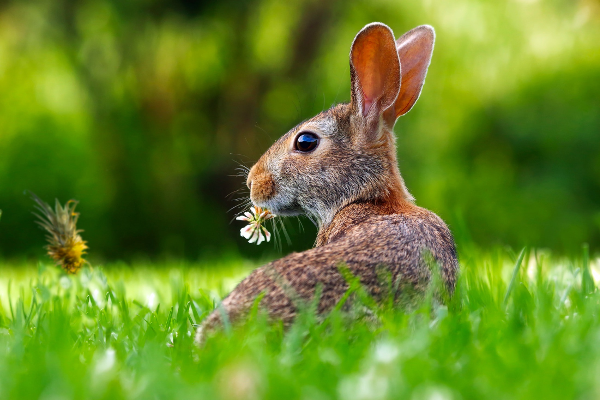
<point>306,142</point>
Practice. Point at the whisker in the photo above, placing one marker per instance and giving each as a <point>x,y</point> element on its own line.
<point>241,199</point>
<point>285,233</point>
<point>244,205</point>
<point>300,225</point>
<point>312,219</point>
<point>276,236</point>
<point>241,208</point>
<point>231,221</point>
<point>267,133</point>
<point>236,191</point>
<point>242,170</point>
<point>241,165</point>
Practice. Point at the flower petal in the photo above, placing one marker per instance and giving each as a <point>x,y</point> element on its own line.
<point>267,233</point>
<point>261,237</point>
<point>247,231</point>
<point>254,236</point>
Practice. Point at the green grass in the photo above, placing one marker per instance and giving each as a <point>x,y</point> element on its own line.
<point>512,330</point>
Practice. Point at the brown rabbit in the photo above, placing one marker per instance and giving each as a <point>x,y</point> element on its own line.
<point>340,168</point>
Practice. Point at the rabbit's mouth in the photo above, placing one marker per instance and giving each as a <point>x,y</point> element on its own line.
<point>280,206</point>
<point>266,193</point>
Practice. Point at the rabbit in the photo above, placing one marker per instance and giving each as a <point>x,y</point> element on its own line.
<point>340,169</point>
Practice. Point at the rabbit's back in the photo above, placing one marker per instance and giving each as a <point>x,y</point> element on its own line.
<point>373,247</point>
<point>406,243</point>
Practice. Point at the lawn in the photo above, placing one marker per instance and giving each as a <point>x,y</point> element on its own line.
<point>126,332</point>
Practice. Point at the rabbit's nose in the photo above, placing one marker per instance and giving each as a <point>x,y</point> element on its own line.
<point>250,176</point>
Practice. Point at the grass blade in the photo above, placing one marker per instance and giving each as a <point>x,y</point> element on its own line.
<point>514,277</point>
<point>12,313</point>
<point>587,282</point>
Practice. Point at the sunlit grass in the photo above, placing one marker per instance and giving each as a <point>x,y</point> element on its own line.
<point>527,329</point>
<point>143,280</point>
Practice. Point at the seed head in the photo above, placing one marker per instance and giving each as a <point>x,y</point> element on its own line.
<point>65,245</point>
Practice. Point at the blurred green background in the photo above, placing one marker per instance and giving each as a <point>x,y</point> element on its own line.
<point>142,110</point>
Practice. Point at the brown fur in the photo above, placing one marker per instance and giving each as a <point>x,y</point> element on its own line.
<point>264,188</point>
<point>351,185</point>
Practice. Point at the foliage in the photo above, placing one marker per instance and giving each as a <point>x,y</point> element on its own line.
<point>140,110</point>
<point>87,337</point>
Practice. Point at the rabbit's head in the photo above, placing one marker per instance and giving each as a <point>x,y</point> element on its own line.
<point>348,153</point>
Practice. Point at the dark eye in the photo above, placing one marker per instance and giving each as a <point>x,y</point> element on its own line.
<point>306,142</point>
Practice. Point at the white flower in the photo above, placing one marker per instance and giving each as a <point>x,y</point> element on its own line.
<point>255,231</point>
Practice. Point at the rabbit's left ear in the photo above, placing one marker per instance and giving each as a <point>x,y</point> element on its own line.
<point>415,49</point>
<point>374,73</point>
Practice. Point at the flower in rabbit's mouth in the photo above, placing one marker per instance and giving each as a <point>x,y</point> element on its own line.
<point>255,230</point>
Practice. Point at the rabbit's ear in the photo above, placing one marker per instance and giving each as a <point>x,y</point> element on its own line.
<point>374,71</point>
<point>415,48</point>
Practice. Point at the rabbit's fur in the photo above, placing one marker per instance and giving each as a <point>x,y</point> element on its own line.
<point>352,186</point>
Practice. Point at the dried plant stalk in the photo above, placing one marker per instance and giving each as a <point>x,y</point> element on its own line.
<point>65,245</point>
